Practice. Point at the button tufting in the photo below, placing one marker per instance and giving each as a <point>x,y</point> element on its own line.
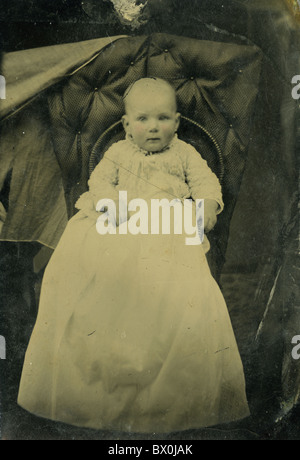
<point>166,50</point>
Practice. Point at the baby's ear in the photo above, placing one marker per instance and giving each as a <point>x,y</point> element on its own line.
<point>125,122</point>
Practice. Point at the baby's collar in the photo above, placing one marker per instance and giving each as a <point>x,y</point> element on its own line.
<point>146,152</point>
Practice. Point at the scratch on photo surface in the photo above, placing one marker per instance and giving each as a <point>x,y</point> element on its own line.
<point>224,349</point>
<point>268,304</point>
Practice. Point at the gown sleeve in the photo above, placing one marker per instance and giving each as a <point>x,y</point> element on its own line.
<point>102,183</point>
<point>203,183</point>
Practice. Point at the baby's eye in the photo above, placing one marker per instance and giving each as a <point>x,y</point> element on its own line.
<point>141,118</point>
<point>164,117</point>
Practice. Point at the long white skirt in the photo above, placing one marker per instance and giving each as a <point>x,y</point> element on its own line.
<point>132,334</point>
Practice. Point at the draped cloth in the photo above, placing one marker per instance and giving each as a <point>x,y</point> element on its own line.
<point>37,207</point>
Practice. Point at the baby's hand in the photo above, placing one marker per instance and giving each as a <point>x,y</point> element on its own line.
<point>210,214</point>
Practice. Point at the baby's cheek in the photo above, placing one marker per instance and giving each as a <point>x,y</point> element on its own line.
<point>168,130</point>
<point>140,129</point>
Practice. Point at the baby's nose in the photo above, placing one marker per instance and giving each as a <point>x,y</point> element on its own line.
<point>153,125</point>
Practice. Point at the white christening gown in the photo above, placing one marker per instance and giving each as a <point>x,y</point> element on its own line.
<point>132,332</point>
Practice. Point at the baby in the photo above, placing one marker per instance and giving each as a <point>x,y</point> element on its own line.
<point>152,120</point>
<point>133,333</point>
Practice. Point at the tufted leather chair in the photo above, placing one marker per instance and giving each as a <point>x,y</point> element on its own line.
<point>216,85</point>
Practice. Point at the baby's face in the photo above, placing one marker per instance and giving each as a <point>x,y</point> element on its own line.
<point>151,119</point>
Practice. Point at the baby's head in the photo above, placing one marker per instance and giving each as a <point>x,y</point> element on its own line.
<point>151,118</point>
